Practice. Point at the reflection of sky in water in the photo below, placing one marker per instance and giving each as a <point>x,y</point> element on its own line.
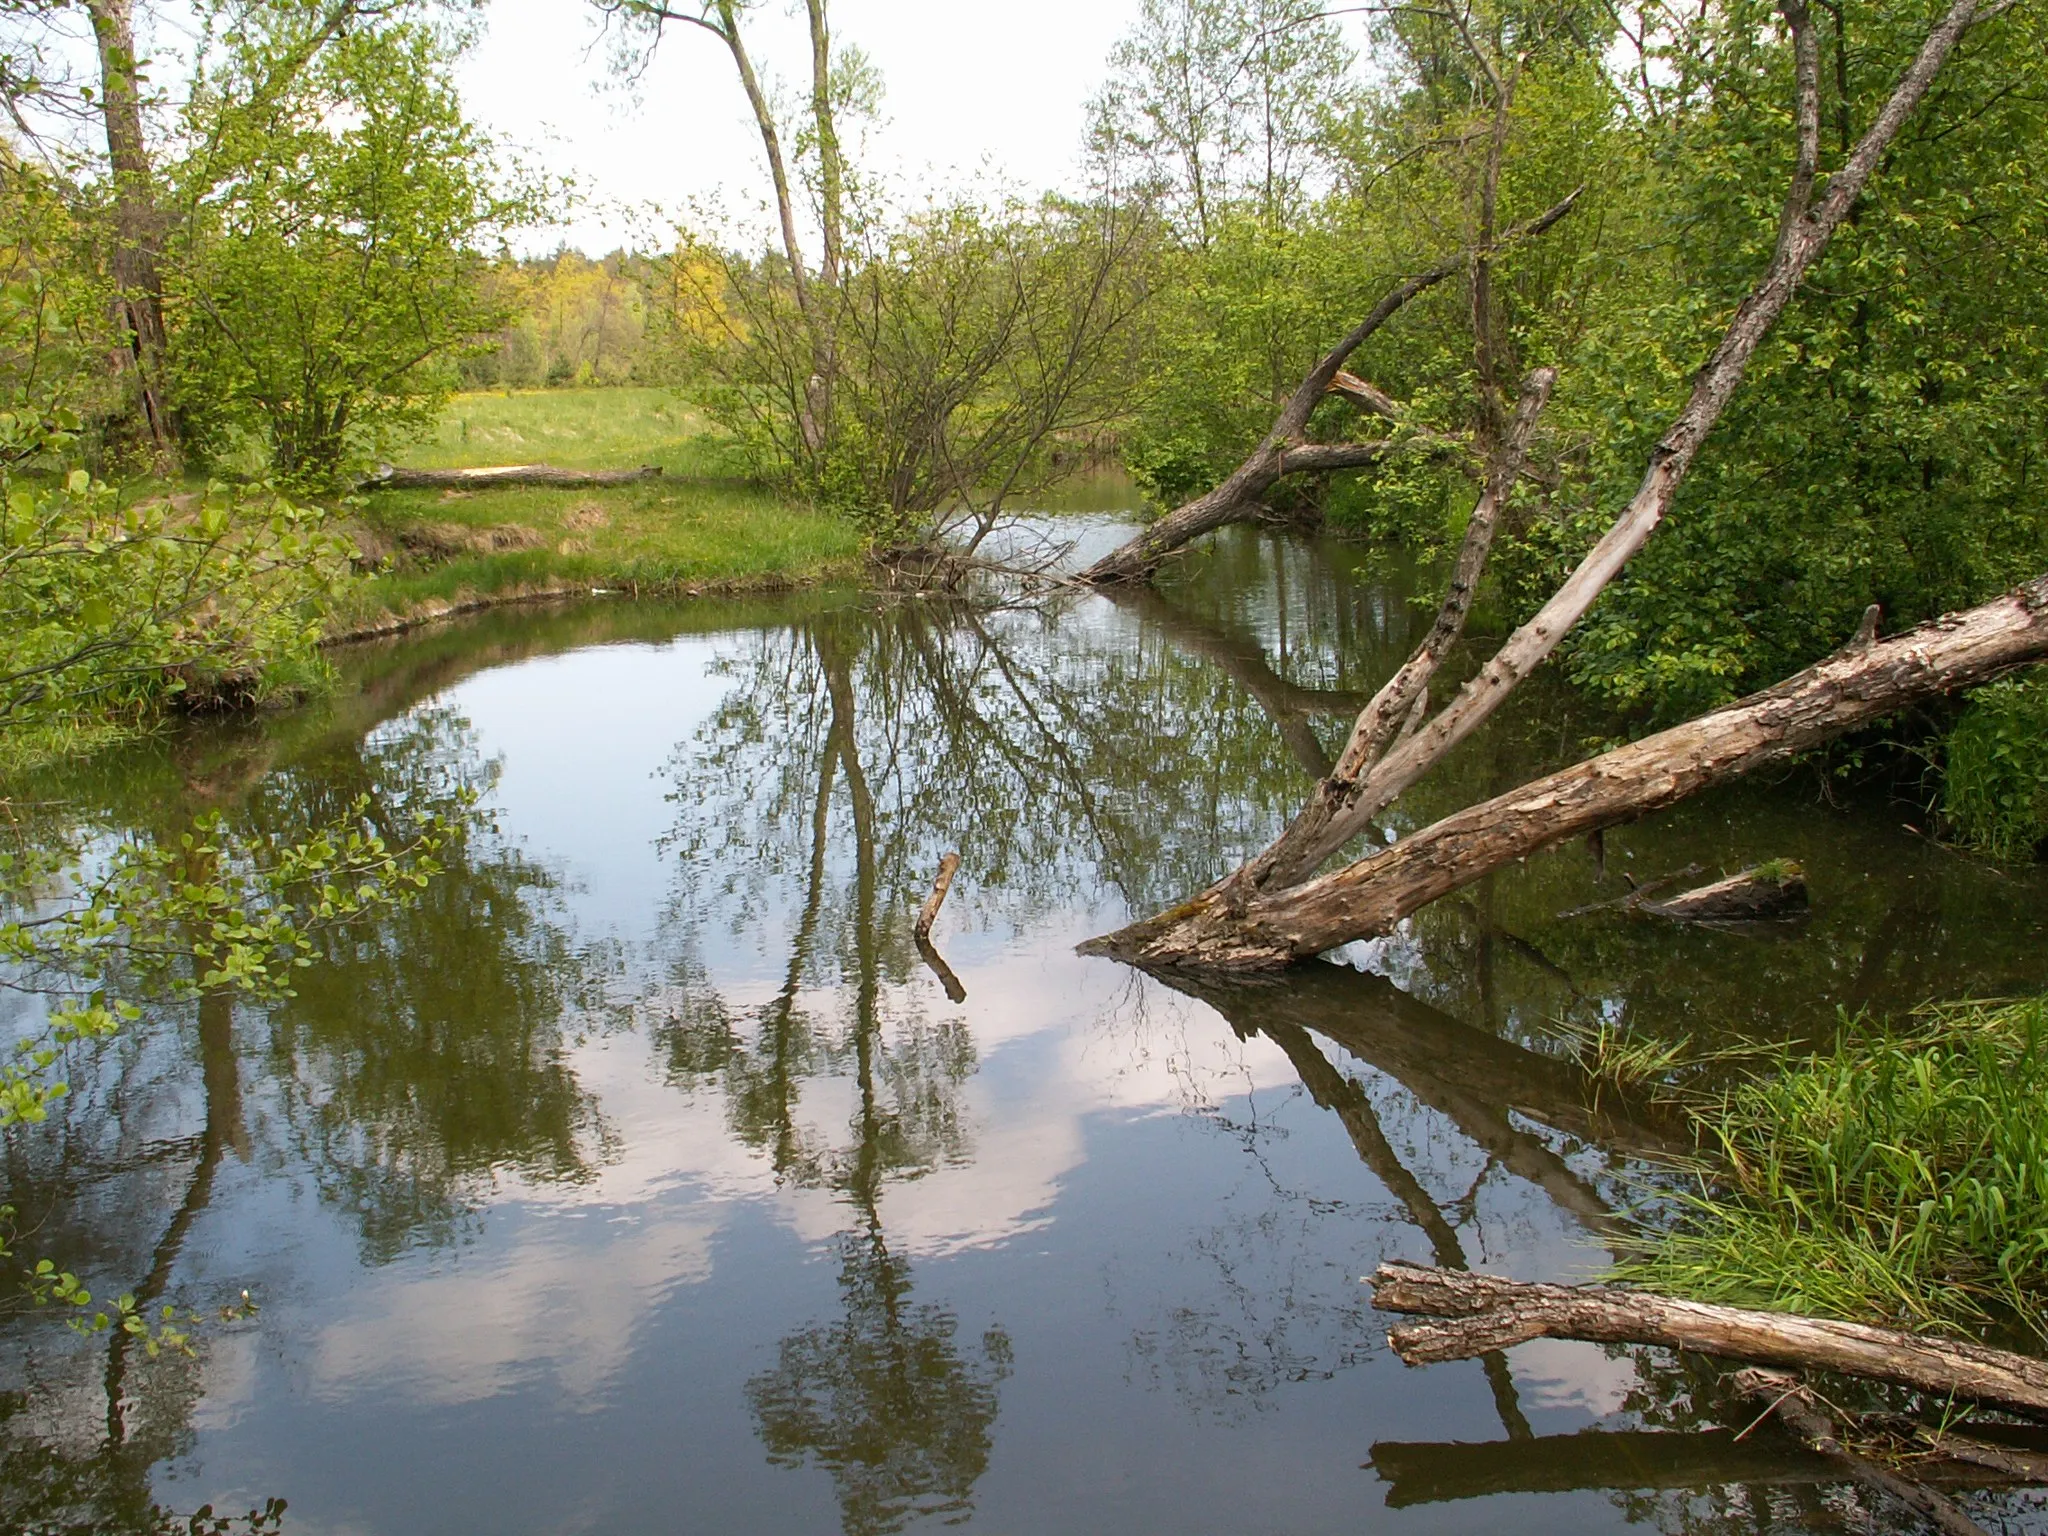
<point>1160,1225</point>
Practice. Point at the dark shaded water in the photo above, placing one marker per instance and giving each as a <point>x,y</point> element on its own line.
<point>647,1177</point>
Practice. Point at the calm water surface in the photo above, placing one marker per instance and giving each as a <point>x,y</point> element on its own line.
<point>647,1177</point>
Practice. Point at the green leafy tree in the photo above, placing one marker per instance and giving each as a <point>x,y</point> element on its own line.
<point>329,272</point>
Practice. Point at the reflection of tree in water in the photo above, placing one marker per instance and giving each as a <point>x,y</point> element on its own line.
<point>884,1397</point>
<point>426,1051</point>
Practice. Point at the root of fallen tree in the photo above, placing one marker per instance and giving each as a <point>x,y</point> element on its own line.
<point>389,479</point>
<point>1479,1313</point>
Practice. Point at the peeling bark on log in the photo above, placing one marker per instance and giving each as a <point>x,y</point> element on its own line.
<point>1284,451</point>
<point>1803,1414</point>
<point>1852,688</point>
<point>1486,1312</point>
<point>389,479</point>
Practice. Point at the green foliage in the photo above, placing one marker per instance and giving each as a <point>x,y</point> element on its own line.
<point>110,610</point>
<point>1995,780</point>
<point>1897,1178</point>
<point>328,273</point>
<point>965,345</point>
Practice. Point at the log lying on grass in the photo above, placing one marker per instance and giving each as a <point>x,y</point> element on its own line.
<point>388,478</point>
<point>1485,1312</point>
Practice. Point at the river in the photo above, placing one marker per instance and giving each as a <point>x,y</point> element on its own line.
<point>647,1176</point>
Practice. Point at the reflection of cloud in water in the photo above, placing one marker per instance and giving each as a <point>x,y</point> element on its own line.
<point>1558,1373</point>
<point>540,1300</point>
<point>551,1304</point>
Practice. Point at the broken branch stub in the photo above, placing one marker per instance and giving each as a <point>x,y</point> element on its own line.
<point>929,914</point>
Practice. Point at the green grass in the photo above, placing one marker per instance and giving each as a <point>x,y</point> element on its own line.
<point>1995,787</point>
<point>572,428</point>
<point>699,525</point>
<point>1901,1177</point>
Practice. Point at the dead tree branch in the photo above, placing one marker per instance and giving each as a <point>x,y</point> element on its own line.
<point>1284,451</point>
<point>1484,1312</point>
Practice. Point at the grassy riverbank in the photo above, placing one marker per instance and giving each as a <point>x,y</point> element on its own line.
<point>1899,1177</point>
<point>698,526</point>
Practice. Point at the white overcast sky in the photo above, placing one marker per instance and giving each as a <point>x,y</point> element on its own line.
<point>967,83</point>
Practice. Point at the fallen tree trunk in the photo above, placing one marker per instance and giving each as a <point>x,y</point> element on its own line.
<point>1273,909</point>
<point>1485,1312</point>
<point>388,478</point>
<point>1284,451</point>
<point>1852,688</point>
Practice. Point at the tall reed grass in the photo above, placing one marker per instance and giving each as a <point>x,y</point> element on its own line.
<point>1900,1177</point>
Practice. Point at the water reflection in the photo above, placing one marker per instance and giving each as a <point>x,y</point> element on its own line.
<point>652,1137</point>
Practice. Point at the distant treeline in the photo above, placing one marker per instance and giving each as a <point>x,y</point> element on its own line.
<point>577,320</point>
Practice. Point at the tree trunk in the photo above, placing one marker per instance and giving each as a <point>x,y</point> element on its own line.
<point>1485,1312</point>
<point>1284,451</point>
<point>138,224</point>
<point>1852,688</point>
<point>1271,911</point>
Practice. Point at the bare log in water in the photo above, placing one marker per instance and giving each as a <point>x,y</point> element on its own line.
<point>388,478</point>
<point>1486,1312</point>
<point>1851,688</point>
<point>1801,1412</point>
<point>948,867</point>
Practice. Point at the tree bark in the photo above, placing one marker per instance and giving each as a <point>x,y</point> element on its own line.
<point>138,224</point>
<point>1486,1312</point>
<point>1854,687</point>
<point>390,479</point>
<point>1284,450</point>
